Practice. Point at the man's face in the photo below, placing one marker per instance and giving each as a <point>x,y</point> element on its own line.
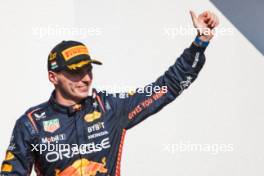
<point>73,85</point>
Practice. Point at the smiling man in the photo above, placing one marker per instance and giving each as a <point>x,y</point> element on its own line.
<point>75,134</point>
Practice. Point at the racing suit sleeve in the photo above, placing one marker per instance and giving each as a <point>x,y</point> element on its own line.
<point>137,107</point>
<point>19,157</point>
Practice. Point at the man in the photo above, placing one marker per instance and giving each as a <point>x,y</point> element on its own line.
<point>76,134</point>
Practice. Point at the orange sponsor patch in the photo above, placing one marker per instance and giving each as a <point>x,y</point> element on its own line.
<point>74,51</point>
<point>7,168</point>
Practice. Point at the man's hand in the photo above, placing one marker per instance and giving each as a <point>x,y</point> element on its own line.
<point>205,24</point>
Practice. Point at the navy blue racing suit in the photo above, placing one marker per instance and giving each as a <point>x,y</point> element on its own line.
<point>87,138</point>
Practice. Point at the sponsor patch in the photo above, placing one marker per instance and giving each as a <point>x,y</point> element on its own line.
<point>51,125</point>
<point>52,56</point>
<point>64,151</point>
<point>87,167</point>
<point>40,116</point>
<point>185,84</point>
<point>74,51</point>
<point>11,147</point>
<point>7,168</point>
<point>56,138</point>
<point>96,135</point>
<point>54,65</point>
<point>145,104</point>
<point>92,116</point>
<point>96,127</point>
<point>9,156</point>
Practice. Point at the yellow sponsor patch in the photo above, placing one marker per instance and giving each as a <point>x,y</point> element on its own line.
<point>52,56</point>
<point>7,168</point>
<point>92,116</point>
<point>74,51</point>
<point>78,65</point>
<point>9,156</point>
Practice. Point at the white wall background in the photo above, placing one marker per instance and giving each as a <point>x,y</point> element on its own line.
<point>223,106</point>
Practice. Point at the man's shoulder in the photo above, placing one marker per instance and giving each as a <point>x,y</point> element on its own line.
<point>29,118</point>
<point>35,112</point>
<point>38,108</point>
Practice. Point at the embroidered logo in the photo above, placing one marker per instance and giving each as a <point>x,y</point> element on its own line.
<point>92,116</point>
<point>51,125</point>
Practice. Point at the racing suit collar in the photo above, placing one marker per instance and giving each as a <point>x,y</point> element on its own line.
<point>67,109</point>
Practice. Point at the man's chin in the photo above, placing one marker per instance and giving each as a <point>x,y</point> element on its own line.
<point>82,95</point>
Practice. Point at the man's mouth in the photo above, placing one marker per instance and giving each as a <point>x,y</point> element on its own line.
<point>83,88</point>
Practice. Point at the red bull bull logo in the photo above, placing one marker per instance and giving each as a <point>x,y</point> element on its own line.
<point>83,167</point>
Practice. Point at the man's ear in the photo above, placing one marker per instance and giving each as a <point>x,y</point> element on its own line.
<point>53,77</point>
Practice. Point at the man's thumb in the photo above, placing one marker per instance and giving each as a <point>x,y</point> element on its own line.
<point>194,18</point>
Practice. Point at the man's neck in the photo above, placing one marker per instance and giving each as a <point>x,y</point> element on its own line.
<point>64,100</point>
